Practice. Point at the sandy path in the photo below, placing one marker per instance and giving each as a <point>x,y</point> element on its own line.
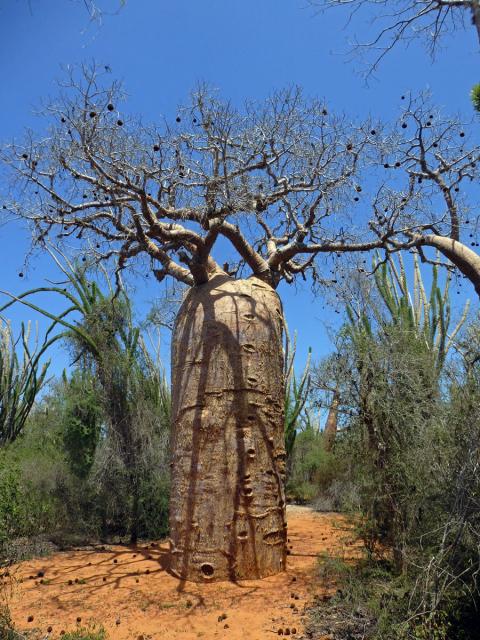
<point>128,591</point>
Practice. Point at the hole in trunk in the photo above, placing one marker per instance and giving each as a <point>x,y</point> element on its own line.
<point>252,380</point>
<point>251,453</point>
<point>249,316</point>
<point>249,348</point>
<point>273,537</point>
<point>242,535</point>
<point>207,570</point>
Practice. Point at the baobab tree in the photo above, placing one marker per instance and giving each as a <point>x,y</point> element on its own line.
<point>289,188</point>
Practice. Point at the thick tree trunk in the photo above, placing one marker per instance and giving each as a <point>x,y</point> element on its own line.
<point>135,511</point>
<point>227,513</point>
<point>330,431</point>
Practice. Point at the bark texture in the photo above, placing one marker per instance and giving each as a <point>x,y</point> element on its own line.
<point>466,260</point>
<point>330,432</point>
<point>227,513</point>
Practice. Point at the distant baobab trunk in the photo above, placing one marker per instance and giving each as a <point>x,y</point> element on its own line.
<point>330,431</point>
<point>227,513</point>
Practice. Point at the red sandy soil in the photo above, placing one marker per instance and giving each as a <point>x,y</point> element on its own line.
<point>128,591</point>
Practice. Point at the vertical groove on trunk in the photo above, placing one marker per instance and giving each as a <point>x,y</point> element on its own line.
<point>227,513</point>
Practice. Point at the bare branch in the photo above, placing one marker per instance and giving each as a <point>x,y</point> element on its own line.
<point>285,182</point>
<point>406,20</point>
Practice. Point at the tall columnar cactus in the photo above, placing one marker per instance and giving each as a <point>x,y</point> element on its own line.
<point>296,393</point>
<point>22,376</point>
<point>428,317</point>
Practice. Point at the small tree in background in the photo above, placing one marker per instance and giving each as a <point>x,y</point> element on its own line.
<point>82,419</point>
<point>331,424</point>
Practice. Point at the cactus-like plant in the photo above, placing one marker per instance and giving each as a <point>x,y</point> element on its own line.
<point>22,377</point>
<point>296,392</point>
<point>398,352</point>
<point>101,314</point>
<point>428,317</point>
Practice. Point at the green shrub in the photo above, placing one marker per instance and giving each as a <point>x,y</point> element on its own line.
<point>302,493</point>
<point>49,494</point>
<point>312,468</point>
<point>154,507</point>
<point>81,420</point>
<point>7,631</point>
<point>374,603</point>
<point>410,450</point>
<point>10,499</point>
<point>86,633</point>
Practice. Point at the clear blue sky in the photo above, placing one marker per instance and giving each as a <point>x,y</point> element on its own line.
<point>246,49</point>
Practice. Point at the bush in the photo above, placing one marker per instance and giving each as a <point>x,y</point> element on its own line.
<point>10,500</point>
<point>45,495</point>
<point>28,504</point>
<point>81,420</point>
<point>312,468</point>
<point>7,631</point>
<point>373,602</point>
<point>410,449</point>
<point>86,633</point>
<point>154,506</point>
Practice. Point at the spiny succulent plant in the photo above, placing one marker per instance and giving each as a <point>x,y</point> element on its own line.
<point>428,316</point>
<point>296,391</point>
<point>22,376</point>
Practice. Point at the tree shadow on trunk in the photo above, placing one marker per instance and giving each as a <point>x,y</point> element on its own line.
<point>254,413</point>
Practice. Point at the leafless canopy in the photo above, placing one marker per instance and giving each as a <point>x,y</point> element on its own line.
<point>405,20</point>
<point>281,182</point>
